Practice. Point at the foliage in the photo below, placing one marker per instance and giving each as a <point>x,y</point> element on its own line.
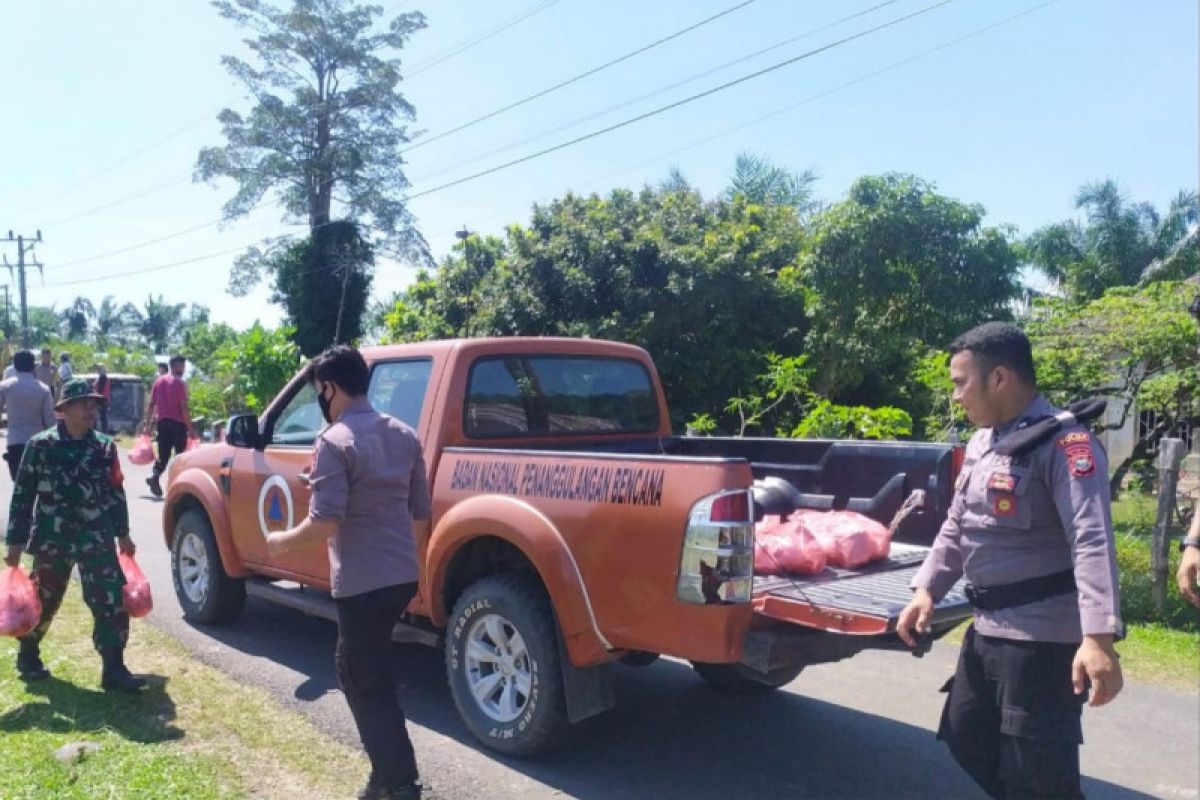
<point>323,283</point>
<point>697,284</point>
<point>1130,345</point>
<point>783,394</point>
<point>45,324</point>
<point>202,345</point>
<point>160,322</point>
<point>1137,579</point>
<point>260,363</point>
<point>930,388</point>
<point>893,270</point>
<point>764,183</point>
<point>829,421</point>
<point>1120,243</point>
<point>77,317</point>
<point>328,121</point>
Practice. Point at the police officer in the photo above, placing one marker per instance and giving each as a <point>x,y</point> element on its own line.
<point>70,486</point>
<point>1030,527</point>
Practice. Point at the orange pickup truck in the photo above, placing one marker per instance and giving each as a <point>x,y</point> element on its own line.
<point>571,530</point>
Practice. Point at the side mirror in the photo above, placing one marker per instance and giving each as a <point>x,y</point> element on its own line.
<point>242,431</point>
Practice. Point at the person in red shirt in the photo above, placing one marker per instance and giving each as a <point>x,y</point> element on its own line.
<point>168,410</point>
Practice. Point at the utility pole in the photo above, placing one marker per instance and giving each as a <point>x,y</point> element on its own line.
<point>24,246</point>
<point>7,316</point>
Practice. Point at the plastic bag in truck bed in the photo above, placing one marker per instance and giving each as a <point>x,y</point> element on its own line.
<point>848,538</point>
<point>786,548</point>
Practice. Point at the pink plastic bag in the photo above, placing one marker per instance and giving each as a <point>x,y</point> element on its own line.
<point>192,443</point>
<point>20,606</point>
<point>138,601</point>
<point>786,548</point>
<point>142,452</point>
<point>849,539</point>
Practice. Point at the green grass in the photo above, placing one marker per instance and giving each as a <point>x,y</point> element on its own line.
<point>193,733</point>
<point>1156,654</point>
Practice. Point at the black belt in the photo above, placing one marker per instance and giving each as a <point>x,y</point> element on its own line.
<point>1020,593</point>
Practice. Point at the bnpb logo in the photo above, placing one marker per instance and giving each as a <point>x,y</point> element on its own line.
<point>276,511</point>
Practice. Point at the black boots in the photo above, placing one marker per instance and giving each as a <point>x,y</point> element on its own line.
<point>375,792</point>
<point>115,675</point>
<point>29,663</point>
<point>155,486</point>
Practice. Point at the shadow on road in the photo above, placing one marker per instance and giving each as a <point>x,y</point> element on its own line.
<point>670,735</point>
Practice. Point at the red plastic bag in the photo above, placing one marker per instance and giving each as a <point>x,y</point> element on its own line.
<point>786,548</point>
<point>20,606</point>
<point>849,539</point>
<point>142,452</point>
<point>138,601</point>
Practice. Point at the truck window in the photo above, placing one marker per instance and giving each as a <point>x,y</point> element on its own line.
<point>558,396</point>
<point>398,389</point>
<point>300,421</point>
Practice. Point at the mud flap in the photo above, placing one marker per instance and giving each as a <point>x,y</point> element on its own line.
<point>589,690</point>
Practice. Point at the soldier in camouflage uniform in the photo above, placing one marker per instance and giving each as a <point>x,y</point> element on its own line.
<point>69,486</point>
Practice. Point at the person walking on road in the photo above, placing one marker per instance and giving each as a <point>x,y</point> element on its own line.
<point>1030,527</point>
<point>103,387</point>
<point>368,488</point>
<point>29,406</point>
<point>168,411</point>
<point>70,488</point>
<point>47,373</point>
<point>66,372</point>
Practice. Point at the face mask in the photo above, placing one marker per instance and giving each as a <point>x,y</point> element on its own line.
<point>324,404</point>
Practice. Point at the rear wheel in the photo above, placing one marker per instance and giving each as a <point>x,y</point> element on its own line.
<point>206,592</point>
<point>738,679</point>
<point>503,666</point>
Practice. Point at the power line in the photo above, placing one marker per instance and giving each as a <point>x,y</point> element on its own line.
<point>138,195</point>
<point>458,49</point>
<point>678,103</point>
<point>580,76</point>
<point>133,247</point>
<point>156,268</point>
<point>662,90</point>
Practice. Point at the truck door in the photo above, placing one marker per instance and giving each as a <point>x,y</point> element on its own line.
<point>270,491</point>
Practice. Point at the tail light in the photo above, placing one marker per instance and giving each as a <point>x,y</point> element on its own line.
<point>717,565</point>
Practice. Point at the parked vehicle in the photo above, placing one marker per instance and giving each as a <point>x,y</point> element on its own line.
<point>571,530</point>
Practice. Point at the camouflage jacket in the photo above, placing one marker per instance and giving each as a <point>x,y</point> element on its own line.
<point>75,486</point>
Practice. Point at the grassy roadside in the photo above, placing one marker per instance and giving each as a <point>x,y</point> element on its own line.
<point>193,733</point>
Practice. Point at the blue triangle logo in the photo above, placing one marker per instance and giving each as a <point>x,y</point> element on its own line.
<point>275,514</point>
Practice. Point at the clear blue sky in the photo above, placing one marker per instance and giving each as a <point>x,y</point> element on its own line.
<point>108,101</point>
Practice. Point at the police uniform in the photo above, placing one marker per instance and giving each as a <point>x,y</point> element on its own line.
<point>69,492</point>
<point>1032,533</point>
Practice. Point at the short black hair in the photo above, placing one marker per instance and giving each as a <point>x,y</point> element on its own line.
<point>23,361</point>
<point>177,360</point>
<point>999,344</point>
<point>343,365</point>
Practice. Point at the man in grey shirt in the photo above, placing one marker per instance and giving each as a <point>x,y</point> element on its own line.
<point>47,372</point>
<point>368,487</point>
<point>1031,530</point>
<point>29,405</point>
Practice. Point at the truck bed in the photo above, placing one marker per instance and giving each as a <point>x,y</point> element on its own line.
<point>862,601</point>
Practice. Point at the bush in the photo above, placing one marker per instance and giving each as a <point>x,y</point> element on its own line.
<point>1136,582</point>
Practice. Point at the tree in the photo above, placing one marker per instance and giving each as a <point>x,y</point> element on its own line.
<point>161,322</point>
<point>1119,242</point>
<point>327,124</point>
<point>77,316</point>
<point>891,271</point>
<point>261,362</point>
<point>762,182</point>
<point>698,284</point>
<point>1136,347</point>
<point>323,284</point>
<point>45,325</point>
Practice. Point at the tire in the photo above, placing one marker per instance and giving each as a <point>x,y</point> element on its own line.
<point>503,666</point>
<point>206,593</point>
<point>737,679</point>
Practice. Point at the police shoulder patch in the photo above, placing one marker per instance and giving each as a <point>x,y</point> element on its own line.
<point>1077,449</point>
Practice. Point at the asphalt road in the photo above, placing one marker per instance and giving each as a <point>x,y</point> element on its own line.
<point>861,728</point>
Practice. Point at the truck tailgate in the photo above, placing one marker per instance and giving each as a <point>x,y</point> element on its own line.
<point>865,601</point>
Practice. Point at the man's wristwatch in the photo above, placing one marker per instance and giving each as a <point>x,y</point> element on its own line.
<point>1188,541</point>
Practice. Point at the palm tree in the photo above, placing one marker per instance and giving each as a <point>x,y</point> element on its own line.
<point>161,322</point>
<point>77,316</point>
<point>760,181</point>
<point>1119,243</point>
<point>108,321</point>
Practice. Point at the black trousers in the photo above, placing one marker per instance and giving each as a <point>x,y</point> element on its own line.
<point>172,435</point>
<point>365,676</point>
<point>13,456</point>
<point>1012,718</point>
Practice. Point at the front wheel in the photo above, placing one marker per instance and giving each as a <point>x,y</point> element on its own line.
<point>503,666</point>
<point>206,592</point>
<point>738,679</point>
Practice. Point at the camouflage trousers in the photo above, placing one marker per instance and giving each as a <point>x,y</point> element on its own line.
<point>102,580</point>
